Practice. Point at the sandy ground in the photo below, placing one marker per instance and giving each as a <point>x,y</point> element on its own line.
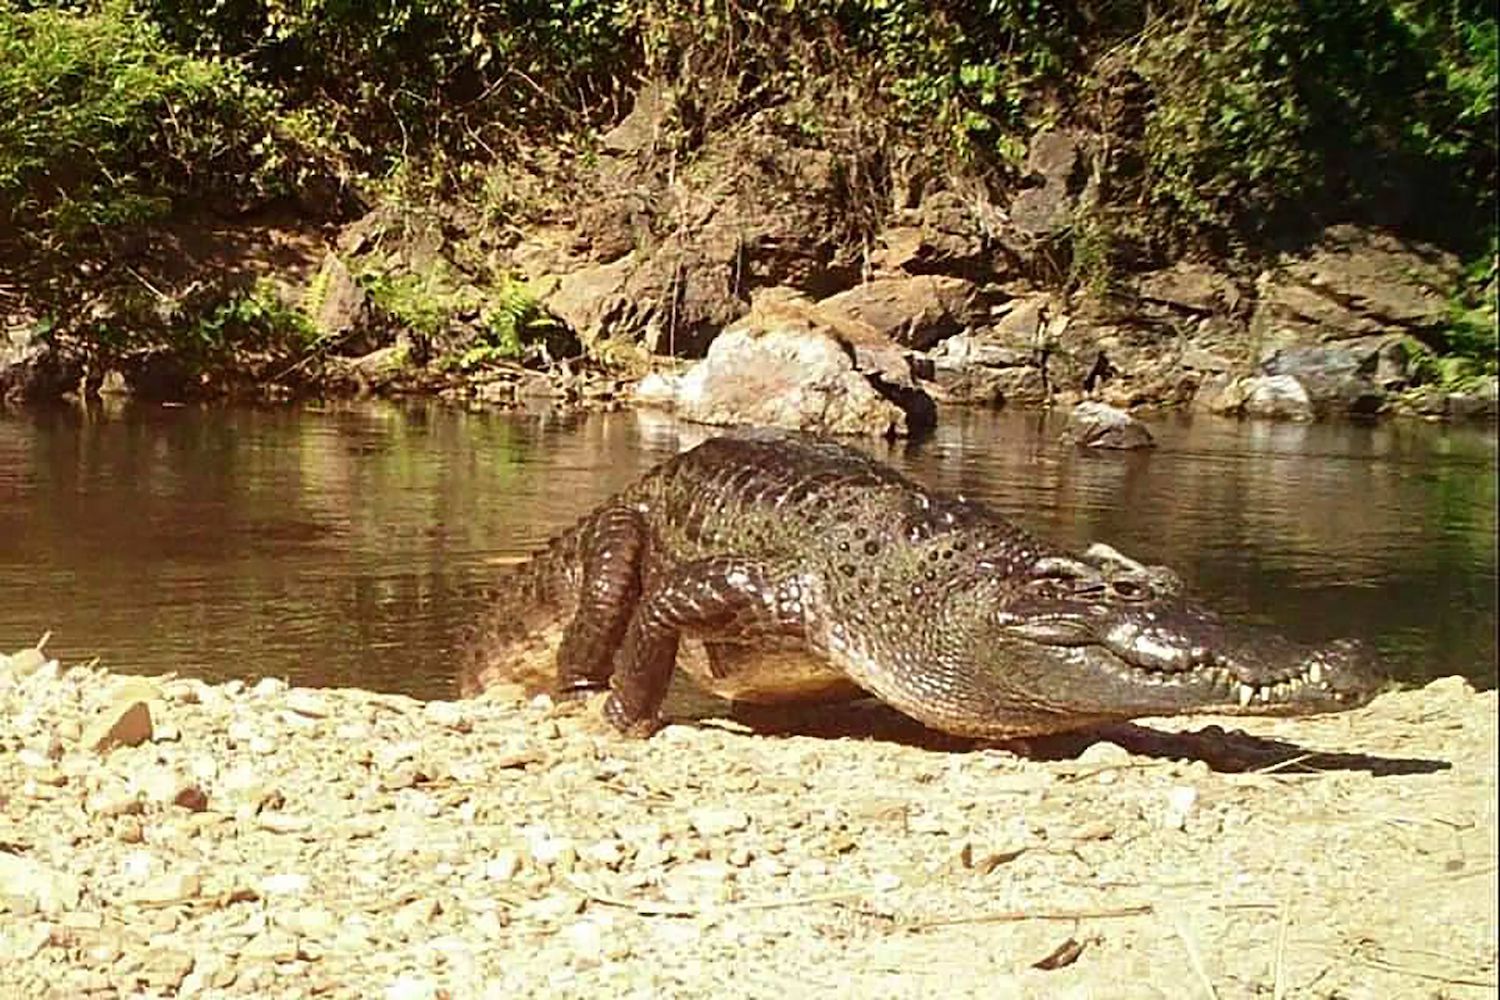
<point>167,837</point>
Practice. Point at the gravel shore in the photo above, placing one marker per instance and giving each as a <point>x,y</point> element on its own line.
<point>165,837</point>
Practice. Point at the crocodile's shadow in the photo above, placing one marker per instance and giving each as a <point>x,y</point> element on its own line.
<point>1227,751</point>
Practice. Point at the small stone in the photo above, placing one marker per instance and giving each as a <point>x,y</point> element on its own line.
<point>285,884</point>
<point>552,908</point>
<point>489,924</point>
<point>307,702</point>
<point>51,890</point>
<point>925,822</point>
<point>24,662</point>
<point>414,916</point>
<point>606,853</point>
<point>549,851</point>
<point>168,888</point>
<point>503,866</point>
<point>166,968</point>
<point>277,822</point>
<point>128,830</point>
<point>586,939</point>
<point>309,921</point>
<point>768,868</point>
<point>1104,752</point>
<point>269,687</point>
<point>410,987</point>
<point>447,714</point>
<point>82,920</point>
<point>22,944</point>
<point>271,946</point>
<point>403,775</point>
<point>1180,803</point>
<point>716,822</point>
<point>114,802</point>
<point>123,724</point>
<point>166,787</point>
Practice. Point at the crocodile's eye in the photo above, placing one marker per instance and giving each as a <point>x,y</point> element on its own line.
<point>1130,590</point>
<point>1066,577</point>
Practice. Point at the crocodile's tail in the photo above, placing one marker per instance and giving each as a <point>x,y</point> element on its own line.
<point>516,637</point>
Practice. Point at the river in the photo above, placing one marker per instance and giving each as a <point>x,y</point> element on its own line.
<point>346,545</point>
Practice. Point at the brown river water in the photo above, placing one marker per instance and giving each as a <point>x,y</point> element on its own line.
<point>346,545</point>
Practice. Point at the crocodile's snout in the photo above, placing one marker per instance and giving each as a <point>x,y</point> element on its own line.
<point>1183,655</point>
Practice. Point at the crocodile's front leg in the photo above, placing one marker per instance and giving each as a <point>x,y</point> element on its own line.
<point>609,590</point>
<point>719,599</point>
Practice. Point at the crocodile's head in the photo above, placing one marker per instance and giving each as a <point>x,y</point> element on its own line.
<point>1085,640</point>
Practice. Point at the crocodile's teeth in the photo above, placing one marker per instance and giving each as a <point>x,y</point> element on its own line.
<point>1246,693</point>
<point>1315,672</point>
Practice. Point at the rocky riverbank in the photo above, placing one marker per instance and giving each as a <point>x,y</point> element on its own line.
<point>168,837</point>
<point>730,295</point>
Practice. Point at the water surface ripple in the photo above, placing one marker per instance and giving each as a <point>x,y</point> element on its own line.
<point>346,545</point>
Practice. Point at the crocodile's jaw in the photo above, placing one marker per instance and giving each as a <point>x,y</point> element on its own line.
<point>1093,678</point>
<point>1009,686</point>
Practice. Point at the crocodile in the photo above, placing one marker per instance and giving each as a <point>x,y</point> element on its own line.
<point>809,571</point>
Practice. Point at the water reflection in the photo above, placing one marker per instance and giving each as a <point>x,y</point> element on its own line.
<point>345,545</point>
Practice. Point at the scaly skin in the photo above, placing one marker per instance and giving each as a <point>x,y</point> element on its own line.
<point>810,571</point>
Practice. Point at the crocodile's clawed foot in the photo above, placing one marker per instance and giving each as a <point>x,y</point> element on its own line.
<point>627,723</point>
<point>577,691</point>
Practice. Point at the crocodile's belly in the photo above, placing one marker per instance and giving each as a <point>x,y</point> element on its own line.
<point>765,675</point>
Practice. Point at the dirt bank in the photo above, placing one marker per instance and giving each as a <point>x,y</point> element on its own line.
<point>260,841</point>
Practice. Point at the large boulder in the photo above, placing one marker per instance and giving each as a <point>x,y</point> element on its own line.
<point>1097,425</point>
<point>787,365</point>
<point>592,300</point>
<point>976,369</point>
<point>916,311</point>
<point>1337,377</point>
<point>945,234</point>
<point>1354,282</point>
<point>30,368</point>
<point>1191,288</point>
<point>1277,397</point>
<point>338,306</point>
<point>1056,158</point>
<point>1334,317</point>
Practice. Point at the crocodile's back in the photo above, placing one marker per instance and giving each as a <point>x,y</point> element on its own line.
<point>802,507</point>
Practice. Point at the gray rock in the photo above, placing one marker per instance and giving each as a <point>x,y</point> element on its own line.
<point>1098,425</point>
<point>639,129</point>
<point>944,234</point>
<point>656,389</point>
<point>1054,155</point>
<point>1280,397</point>
<point>31,369</point>
<point>335,301</point>
<point>1354,282</point>
<point>1025,386</point>
<point>1337,377</point>
<point>916,311</point>
<point>1023,321</point>
<point>53,891</point>
<point>782,367</point>
<point>784,378</point>
<point>1042,211</point>
<point>1190,287</point>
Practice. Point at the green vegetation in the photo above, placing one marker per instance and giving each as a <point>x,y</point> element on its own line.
<point>1224,118</point>
<point>1225,126</point>
<point>103,122</point>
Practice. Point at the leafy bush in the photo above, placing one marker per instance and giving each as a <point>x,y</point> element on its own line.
<point>102,122</point>
<point>1223,122</point>
<point>1261,115</point>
